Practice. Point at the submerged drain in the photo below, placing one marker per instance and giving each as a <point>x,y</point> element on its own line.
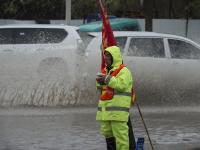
<point>186,139</point>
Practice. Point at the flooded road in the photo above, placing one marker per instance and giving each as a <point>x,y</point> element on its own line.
<point>76,128</point>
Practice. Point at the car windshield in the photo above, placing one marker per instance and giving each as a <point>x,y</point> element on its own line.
<point>146,47</point>
<point>182,50</point>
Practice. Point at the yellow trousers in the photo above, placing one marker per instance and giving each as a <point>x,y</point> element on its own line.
<point>117,129</point>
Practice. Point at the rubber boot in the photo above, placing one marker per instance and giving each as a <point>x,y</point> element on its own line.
<point>132,144</point>
<point>111,144</point>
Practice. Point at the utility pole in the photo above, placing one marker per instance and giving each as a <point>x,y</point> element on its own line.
<point>68,11</point>
<point>188,7</point>
<point>149,14</point>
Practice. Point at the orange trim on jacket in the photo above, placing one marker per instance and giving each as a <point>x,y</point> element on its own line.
<point>107,92</point>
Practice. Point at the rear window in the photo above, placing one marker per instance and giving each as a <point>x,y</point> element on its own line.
<point>6,36</point>
<point>32,35</point>
<point>39,35</point>
<point>182,50</point>
<point>121,42</point>
<point>146,47</point>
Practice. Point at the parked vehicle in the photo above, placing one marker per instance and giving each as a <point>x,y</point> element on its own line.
<point>31,55</point>
<point>166,68</point>
<point>96,17</point>
<point>118,24</point>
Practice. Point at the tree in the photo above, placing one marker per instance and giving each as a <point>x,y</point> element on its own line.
<point>195,9</point>
<point>55,9</point>
<point>31,9</point>
<point>81,8</point>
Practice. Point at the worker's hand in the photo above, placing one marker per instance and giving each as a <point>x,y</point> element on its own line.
<point>101,79</point>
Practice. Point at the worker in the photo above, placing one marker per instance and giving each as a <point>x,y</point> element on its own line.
<point>115,102</point>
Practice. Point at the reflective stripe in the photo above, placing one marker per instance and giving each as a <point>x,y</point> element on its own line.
<point>114,108</point>
<point>122,93</point>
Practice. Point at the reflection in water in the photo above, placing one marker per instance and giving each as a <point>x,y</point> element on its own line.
<point>76,129</point>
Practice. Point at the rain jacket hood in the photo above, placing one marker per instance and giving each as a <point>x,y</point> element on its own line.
<point>116,55</point>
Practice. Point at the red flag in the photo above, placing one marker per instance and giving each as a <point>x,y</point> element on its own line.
<point>107,34</point>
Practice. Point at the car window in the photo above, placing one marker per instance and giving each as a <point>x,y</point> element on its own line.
<point>6,36</point>
<point>24,36</point>
<point>146,47</point>
<point>39,35</point>
<point>51,35</point>
<point>121,42</point>
<point>182,50</point>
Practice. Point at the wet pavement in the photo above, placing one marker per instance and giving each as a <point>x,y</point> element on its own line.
<point>76,128</point>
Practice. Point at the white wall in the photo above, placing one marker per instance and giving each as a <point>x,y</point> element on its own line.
<point>194,30</point>
<point>171,26</point>
<point>75,22</point>
<point>178,27</point>
<point>142,23</point>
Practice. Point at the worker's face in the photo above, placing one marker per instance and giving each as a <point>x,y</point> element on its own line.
<point>108,59</point>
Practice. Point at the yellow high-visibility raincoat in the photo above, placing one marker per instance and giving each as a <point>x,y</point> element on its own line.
<point>113,113</point>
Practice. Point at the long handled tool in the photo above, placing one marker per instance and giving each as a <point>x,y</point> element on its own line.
<point>144,125</point>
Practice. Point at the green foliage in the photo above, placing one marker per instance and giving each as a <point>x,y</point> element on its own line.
<point>195,9</point>
<point>55,9</point>
<point>32,9</point>
<point>81,8</point>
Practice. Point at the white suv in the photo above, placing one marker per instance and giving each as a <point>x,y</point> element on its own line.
<point>35,60</point>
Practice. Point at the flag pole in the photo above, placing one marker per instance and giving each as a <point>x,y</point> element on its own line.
<point>107,33</point>
<point>142,118</point>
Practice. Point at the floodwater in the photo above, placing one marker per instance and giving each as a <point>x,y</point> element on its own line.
<point>76,128</point>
